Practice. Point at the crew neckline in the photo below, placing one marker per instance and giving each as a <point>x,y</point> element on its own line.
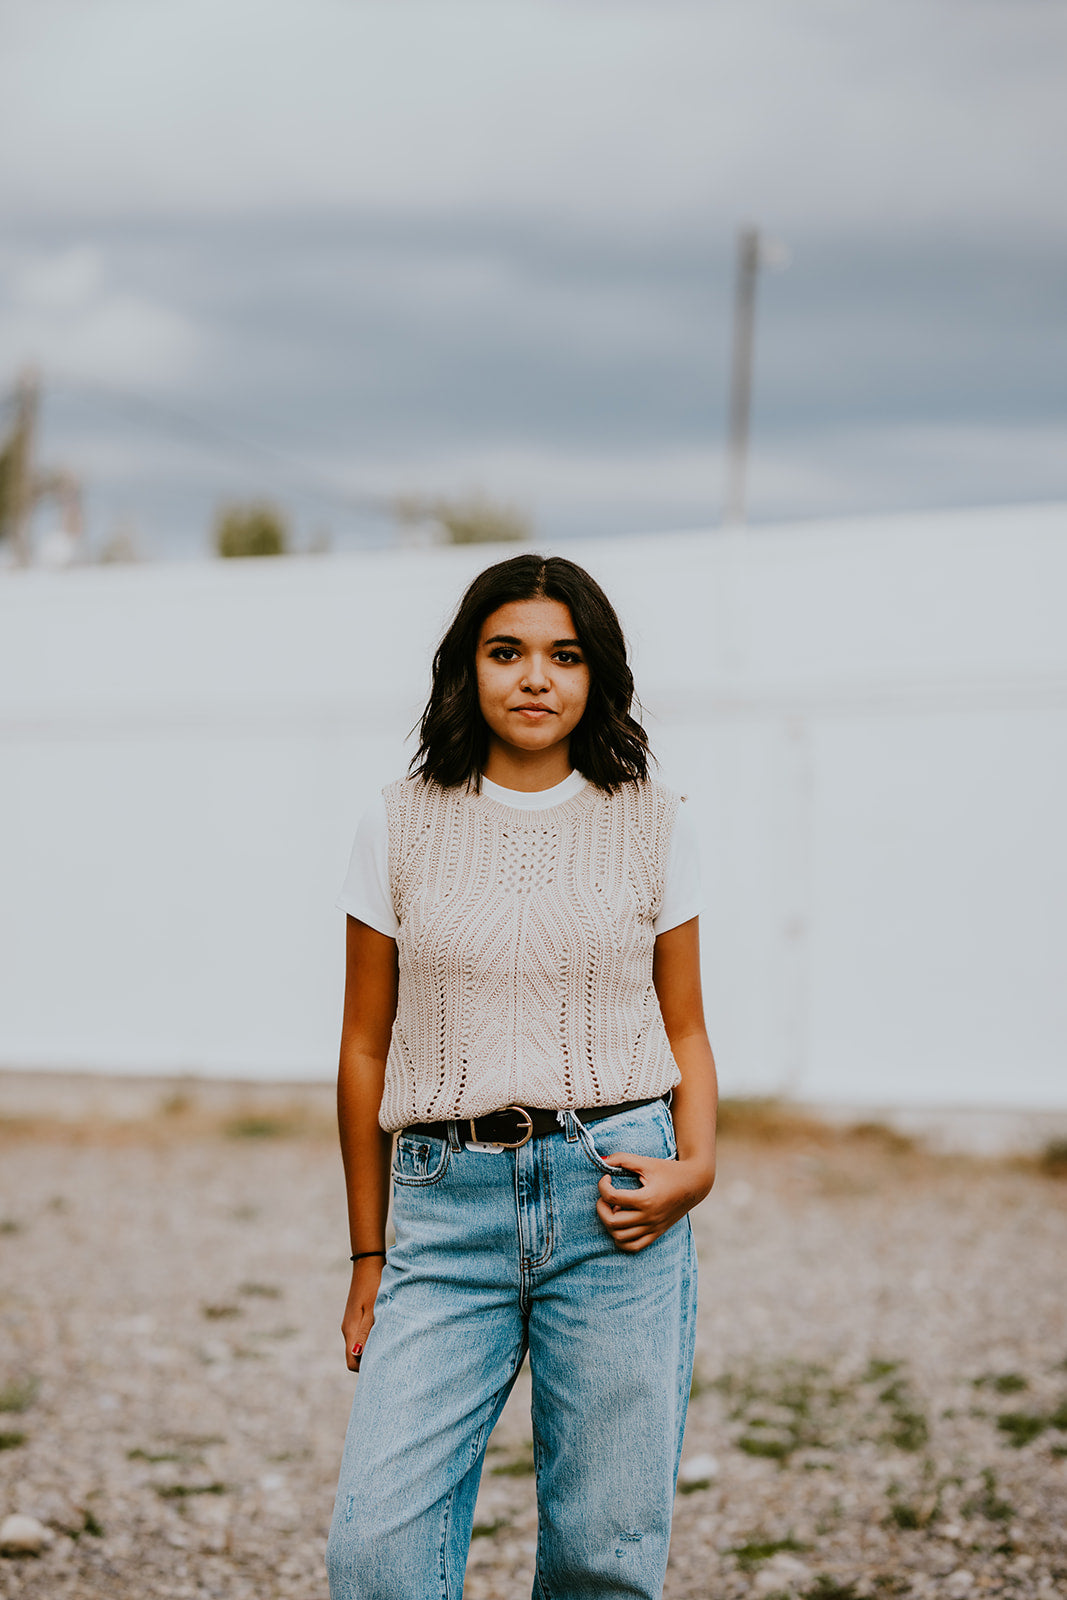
<point>539,799</point>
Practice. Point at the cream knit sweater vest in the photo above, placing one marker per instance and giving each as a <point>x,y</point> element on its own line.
<point>525,949</point>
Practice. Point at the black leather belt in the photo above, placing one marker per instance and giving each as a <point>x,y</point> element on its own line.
<point>515,1126</point>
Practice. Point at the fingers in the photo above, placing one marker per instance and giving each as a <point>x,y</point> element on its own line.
<point>635,1218</point>
<point>629,1199</point>
<point>356,1332</point>
<point>630,1229</point>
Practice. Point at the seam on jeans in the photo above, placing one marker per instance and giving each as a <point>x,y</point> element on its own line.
<point>446,1524</point>
<point>524,1286</point>
<point>550,1229</point>
<point>541,1588</point>
<point>478,1449</point>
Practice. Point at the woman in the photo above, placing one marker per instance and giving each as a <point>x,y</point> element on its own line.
<point>522,1003</point>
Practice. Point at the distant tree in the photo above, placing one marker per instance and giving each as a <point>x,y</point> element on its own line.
<point>256,529</point>
<point>474,519</point>
<point>24,485</point>
<point>7,475</point>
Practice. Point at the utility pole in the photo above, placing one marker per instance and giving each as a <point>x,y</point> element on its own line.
<point>753,251</point>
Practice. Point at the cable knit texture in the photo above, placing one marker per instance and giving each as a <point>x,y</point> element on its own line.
<point>525,949</point>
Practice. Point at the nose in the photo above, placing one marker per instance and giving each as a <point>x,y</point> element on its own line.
<point>536,679</point>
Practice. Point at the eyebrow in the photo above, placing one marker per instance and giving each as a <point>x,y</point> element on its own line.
<point>509,638</point>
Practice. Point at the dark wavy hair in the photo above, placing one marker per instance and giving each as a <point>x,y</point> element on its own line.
<point>608,747</point>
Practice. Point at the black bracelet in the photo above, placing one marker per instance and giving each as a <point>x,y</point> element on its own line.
<point>362,1253</point>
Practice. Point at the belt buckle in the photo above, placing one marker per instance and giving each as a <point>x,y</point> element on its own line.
<point>498,1146</point>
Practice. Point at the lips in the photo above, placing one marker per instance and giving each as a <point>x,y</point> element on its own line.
<point>535,713</point>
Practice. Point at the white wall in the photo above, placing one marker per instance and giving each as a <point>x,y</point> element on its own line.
<point>869,717</point>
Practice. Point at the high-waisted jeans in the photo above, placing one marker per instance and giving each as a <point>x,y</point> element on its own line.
<point>496,1254</point>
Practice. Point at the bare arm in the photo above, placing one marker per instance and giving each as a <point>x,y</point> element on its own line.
<point>370,1006</point>
<point>635,1217</point>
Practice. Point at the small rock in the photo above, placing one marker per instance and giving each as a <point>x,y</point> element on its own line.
<point>959,1583</point>
<point>697,1471</point>
<point>22,1536</point>
<point>780,1572</point>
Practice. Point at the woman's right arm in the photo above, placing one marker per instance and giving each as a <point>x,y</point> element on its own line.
<point>370,1007</point>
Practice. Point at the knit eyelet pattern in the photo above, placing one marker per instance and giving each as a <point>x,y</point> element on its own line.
<point>525,949</point>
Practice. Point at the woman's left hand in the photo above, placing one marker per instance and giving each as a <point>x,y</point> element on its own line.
<point>669,1189</point>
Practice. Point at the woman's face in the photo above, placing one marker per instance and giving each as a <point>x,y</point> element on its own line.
<point>533,681</point>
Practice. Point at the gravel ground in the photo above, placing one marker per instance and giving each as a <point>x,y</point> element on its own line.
<point>880,1405</point>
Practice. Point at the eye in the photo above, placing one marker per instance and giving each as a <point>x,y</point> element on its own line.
<point>569,658</point>
<point>503,652</point>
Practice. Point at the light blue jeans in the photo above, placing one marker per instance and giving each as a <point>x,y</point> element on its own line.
<point>496,1254</point>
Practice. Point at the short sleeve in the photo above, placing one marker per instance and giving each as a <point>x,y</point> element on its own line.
<point>365,892</point>
<point>682,896</point>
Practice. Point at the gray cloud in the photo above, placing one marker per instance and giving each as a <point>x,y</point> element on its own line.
<point>915,111</point>
<point>442,244</point>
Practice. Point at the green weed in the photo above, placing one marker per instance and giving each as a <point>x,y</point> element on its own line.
<point>877,1369</point>
<point>987,1503</point>
<point>1002,1382</point>
<point>255,1126</point>
<point>521,1467</point>
<point>19,1394</point>
<point>1022,1427</point>
<point>753,1551</point>
<point>908,1429</point>
<point>1053,1159</point>
<point>181,1491</point>
<point>920,1510</point>
<point>698,1385</point>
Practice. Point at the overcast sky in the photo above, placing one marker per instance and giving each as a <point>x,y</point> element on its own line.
<point>330,250</point>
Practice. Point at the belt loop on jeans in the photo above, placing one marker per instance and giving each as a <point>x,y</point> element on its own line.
<point>455,1140</point>
<point>567,1121</point>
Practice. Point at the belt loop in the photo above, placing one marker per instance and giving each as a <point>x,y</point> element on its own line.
<point>582,1132</point>
<point>568,1122</point>
<point>454,1140</point>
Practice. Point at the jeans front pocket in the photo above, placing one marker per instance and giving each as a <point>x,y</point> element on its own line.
<point>418,1161</point>
<point>646,1131</point>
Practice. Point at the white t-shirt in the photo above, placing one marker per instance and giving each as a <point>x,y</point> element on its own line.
<point>365,892</point>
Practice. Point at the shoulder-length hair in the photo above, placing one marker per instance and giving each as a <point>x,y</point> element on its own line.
<point>608,746</point>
